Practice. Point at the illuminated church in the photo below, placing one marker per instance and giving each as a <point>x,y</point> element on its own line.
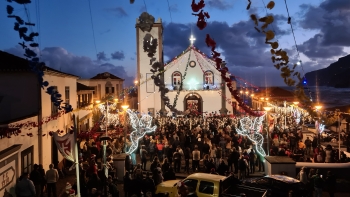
<point>203,88</point>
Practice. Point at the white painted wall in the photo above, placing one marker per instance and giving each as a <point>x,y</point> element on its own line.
<point>193,81</point>
<point>144,67</point>
<point>26,142</point>
<point>61,123</point>
<point>100,84</point>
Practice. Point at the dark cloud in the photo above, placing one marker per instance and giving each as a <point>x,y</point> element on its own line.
<point>313,48</point>
<point>119,11</point>
<point>60,59</point>
<point>118,55</point>
<point>243,48</point>
<point>220,4</point>
<point>101,56</point>
<point>331,19</point>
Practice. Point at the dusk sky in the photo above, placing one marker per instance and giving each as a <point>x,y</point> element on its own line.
<point>322,30</point>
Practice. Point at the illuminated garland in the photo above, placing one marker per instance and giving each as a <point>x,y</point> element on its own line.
<point>113,118</point>
<point>182,81</point>
<point>140,128</point>
<point>250,127</point>
<point>216,88</point>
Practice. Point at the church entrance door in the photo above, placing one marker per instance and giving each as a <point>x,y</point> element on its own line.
<point>193,102</point>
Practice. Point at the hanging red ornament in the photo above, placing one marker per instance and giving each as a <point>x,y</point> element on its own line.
<point>196,7</point>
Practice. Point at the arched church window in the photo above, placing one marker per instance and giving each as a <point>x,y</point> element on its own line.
<point>209,78</point>
<point>176,78</point>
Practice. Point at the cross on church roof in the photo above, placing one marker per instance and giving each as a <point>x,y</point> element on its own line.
<point>192,39</point>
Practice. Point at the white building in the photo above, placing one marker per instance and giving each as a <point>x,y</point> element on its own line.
<point>104,84</point>
<point>203,87</point>
<point>22,100</point>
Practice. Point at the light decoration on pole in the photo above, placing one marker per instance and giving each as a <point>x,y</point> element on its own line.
<point>113,118</point>
<point>250,127</point>
<point>140,128</point>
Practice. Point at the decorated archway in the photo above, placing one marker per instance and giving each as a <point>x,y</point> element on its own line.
<point>193,102</point>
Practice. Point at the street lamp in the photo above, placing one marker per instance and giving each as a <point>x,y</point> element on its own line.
<point>267,109</point>
<point>125,107</point>
<point>318,107</point>
<point>295,102</point>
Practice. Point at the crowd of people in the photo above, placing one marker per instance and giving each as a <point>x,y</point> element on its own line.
<point>316,183</point>
<point>204,144</point>
<point>184,144</point>
<point>38,182</point>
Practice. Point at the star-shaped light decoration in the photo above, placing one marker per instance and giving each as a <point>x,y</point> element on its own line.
<point>250,127</point>
<point>140,128</point>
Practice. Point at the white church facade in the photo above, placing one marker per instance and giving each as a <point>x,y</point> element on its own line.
<point>203,89</point>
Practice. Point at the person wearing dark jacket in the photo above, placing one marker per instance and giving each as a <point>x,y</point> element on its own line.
<point>222,168</point>
<point>127,184</point>
<point>36,177</point>
<point>148,185</point>
<point>112,188</point>
<point>169,175</point>
<point>136,186</point>
<point>331,183</point>
<point>25,187</point>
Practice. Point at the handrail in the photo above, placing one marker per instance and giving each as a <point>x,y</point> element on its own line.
<point>322,165</point>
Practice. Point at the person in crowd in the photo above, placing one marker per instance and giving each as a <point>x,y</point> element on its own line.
<point>127,185</point>
<point>128,163</point>
<point>136,186</point>
<point>154,164</point>
<point>143,154</point>
<point>331,183</point>
<point>165,165</point>
<point>94,182</point>
<point>242,166</point>
<point>51,179</point>
<point>187,156</point>
<point>169,174</point>
<point>43,179</point>
<point>252,158</point>
<point>148,185</point>
<point>302,176</point>
<point>222,168</point>
<point>318,184</point>
<point>177,160</point>
<point>25,187</point>
<point>157,176</point>
<point>152,149</point>
<point>36,177</point>
<point>160,147</point>
<point>195,159</point>
<point>137,171</point>
<point>112,188</point>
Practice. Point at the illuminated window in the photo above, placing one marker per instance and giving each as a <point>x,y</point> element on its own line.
<point>176,76</point>
<point>209,77</point>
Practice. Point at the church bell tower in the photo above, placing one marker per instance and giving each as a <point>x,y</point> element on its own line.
<point>148,97</point>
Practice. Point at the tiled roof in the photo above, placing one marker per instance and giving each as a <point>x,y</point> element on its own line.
<point>83,87</point>
<point>12,63</point>
<point>106,75</point>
